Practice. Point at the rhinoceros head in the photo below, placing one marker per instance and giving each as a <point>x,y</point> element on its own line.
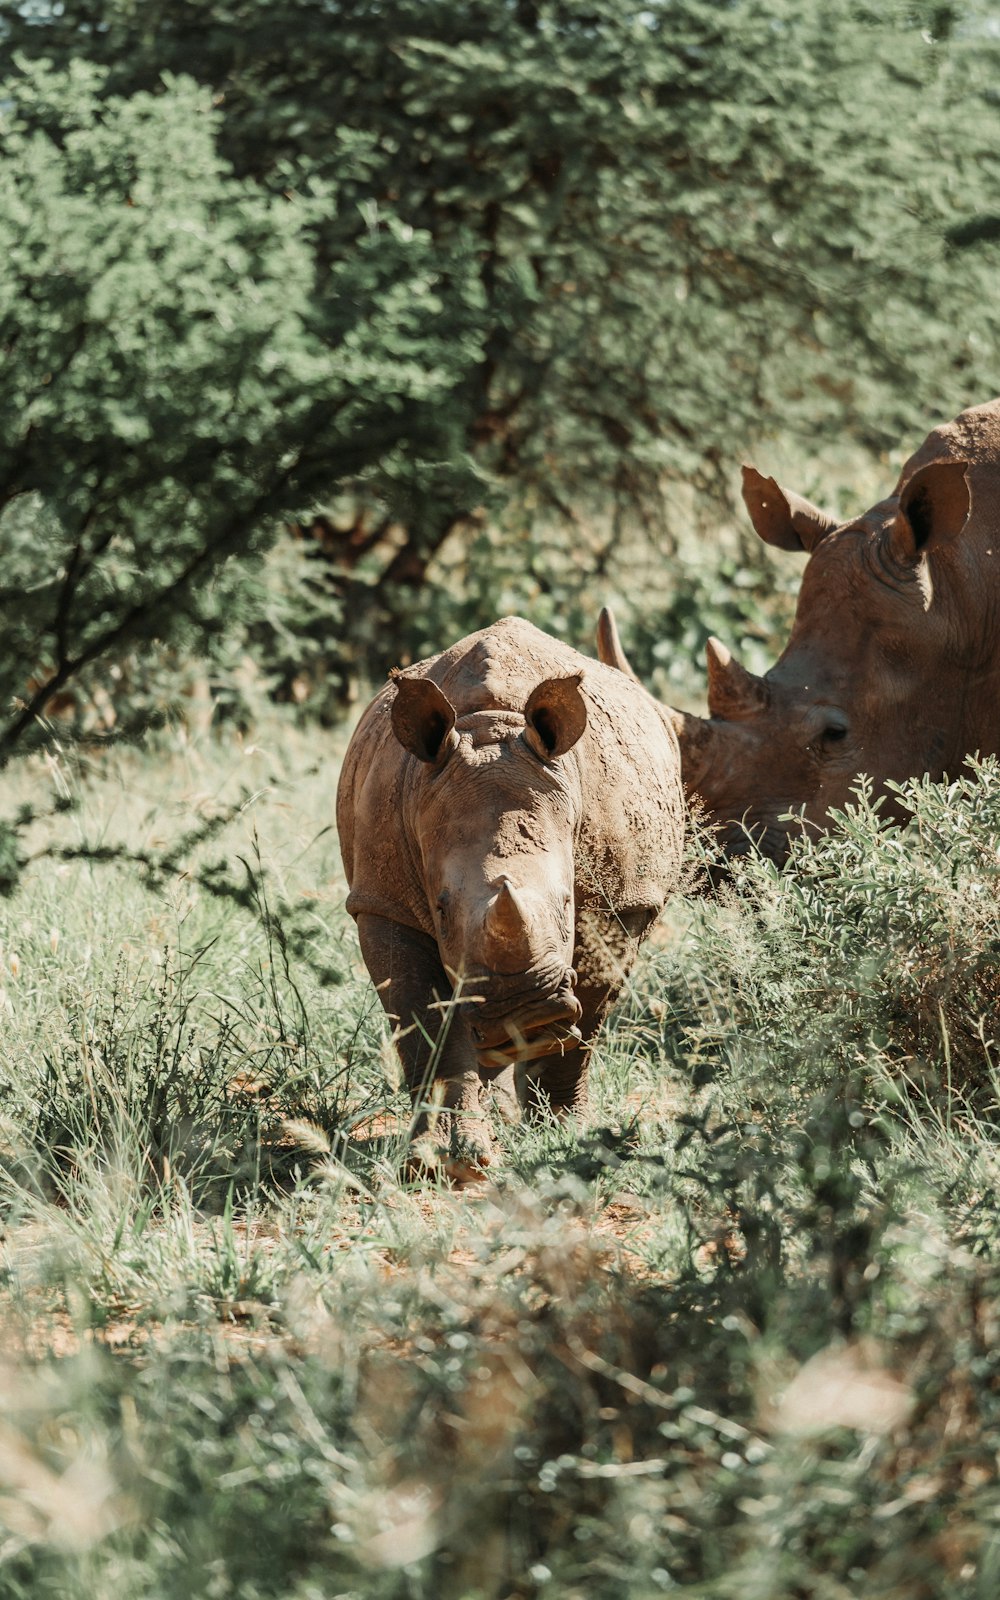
<point>870,681</point>
<point>494,816</point>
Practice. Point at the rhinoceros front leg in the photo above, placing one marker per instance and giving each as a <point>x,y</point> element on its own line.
<point>449,1132</point>
<point>605,951</point>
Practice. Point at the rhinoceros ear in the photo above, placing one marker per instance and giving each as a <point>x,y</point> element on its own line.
<point>933,507</point>
<point>782,518</point>
<point>555,716</point>
<point>423,718</point>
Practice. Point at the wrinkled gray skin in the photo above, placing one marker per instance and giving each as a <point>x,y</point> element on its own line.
<point>893,665</point>
<point>511,820</point>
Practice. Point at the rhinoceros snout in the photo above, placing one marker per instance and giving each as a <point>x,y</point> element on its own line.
<point>522,929</point>
<point>742,839</point>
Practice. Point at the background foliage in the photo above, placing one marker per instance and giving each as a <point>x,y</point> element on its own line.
<point>168,391</point>
<point>399,263</point>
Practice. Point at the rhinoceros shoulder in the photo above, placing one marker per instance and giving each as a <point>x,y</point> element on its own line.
<point>633,804</point>
<point>374,844</point>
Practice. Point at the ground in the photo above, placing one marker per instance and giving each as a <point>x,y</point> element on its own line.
<point>735,1332</point>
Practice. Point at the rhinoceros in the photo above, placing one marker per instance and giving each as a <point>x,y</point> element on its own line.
<point>893,665</point>
<point>511,820</point>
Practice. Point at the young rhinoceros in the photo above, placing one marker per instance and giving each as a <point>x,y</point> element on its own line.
<point>511,820</point>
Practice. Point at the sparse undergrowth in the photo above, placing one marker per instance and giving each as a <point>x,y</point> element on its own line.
<point>738,1335</point>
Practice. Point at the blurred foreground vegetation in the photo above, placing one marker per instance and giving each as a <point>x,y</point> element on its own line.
<point>738,1334</point>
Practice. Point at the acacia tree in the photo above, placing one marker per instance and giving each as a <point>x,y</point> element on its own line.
<point>642,233</point>
<point>168,389</point>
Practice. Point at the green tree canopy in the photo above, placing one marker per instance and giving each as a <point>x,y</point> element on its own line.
<point>571,248</point>
<point>172,381</point>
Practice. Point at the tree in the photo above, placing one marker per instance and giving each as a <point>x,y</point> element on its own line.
<point>169,391</point>
<point>654,231</point>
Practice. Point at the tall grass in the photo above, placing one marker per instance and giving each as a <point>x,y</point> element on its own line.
<point>738,1334</point>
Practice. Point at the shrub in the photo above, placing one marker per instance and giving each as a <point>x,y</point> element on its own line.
<point>873,952</point>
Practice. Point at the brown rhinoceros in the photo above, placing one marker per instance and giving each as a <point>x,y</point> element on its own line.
<point>511,821</point>
<point>893,665</point>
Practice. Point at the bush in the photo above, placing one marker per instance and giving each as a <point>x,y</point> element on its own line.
<point>873,955</point>
<point>741,1340</point>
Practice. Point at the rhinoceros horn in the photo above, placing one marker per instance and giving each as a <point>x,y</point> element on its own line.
<point>734,694</point>
<point>611,653</point>
<point>508,942</point>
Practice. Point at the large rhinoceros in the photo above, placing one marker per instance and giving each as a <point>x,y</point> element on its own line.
<point>511,821</point>
<point>893,665</point>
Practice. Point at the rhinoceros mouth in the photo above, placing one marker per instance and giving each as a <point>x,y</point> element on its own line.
<point>531,1045</point>
<point>771,839</point>
<point>545,1030</point>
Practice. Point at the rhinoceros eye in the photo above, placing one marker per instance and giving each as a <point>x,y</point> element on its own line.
<point>442,908</point>
<point>834,732</point>
<point>636,920</point>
